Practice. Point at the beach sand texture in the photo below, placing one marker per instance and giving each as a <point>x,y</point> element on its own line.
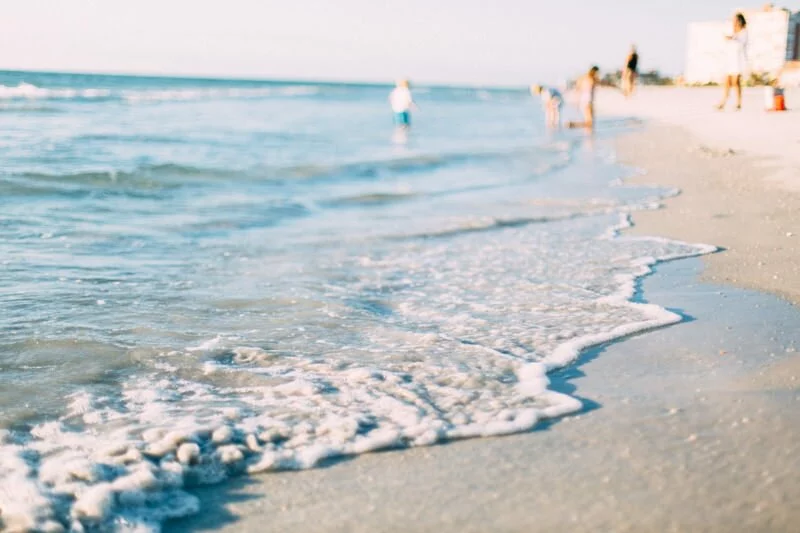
<point>689,428</point>
<point>740,177</point>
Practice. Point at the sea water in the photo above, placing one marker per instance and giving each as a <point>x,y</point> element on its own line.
<point>208,278</point>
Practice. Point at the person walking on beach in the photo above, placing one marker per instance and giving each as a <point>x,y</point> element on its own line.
<point>736,59</point>
<point>552,101</point>
<point>630,73</point>
<point>586,86</point>
<point>402,102</point>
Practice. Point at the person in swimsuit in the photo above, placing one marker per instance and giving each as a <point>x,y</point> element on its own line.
<point>630,73</point>
<point>736,61</point>
<point>586,86</point>
<point>402,102</point>
<point>552,101</point>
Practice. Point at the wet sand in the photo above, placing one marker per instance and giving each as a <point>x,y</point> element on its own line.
<point>689,428</point>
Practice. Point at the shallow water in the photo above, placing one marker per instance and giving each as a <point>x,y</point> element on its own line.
<point>207,278</point>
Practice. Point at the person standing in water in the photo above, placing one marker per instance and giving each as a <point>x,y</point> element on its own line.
<point>630,73</point>
<point>585,86</point>
<point>402,102</point>
<point>552,101</point>
<point>736,58</point>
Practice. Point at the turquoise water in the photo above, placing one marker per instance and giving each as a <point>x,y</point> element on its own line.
<point>207,278</point>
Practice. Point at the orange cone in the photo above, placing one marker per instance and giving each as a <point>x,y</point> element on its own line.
<point>780,102</point>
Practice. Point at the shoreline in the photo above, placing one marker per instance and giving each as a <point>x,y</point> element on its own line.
<point>672,438</point>
<point>695,434</point>
<point>747,203</point>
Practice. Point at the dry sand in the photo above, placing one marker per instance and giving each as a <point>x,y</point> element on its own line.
<point>739,173</point>
<point>690,428</point>
<point>752,131</point>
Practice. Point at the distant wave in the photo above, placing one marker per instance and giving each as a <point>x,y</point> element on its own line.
<point>32,92</point>
<point>367,199</point>
<point>27,91</point>
<point>492,224</point>
<point>158,170</point>
<point>167,175</point>
<point>26,107</point>
<point>398,165</point>
<point>161,176</point>
<point>375,168</point>
<point>145,180</point>
<point>134,96</point>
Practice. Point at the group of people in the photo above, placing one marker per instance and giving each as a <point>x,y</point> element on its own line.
<point>585,86</point>
<point>402,102</point>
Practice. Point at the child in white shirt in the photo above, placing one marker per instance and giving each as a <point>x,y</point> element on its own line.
<point>402,102</point>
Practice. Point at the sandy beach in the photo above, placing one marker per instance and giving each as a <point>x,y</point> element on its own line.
<point>739,173</point>
<point>275,268</point>
<point>688,428</point>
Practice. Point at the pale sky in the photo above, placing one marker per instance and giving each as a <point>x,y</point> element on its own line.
<point>491,42</point>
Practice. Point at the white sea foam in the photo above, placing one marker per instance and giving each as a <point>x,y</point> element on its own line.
<point>27,91</point>
<point>476,322</point>
<point>32,92</point>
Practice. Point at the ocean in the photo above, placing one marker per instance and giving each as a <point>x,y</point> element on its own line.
<point>204,279</point>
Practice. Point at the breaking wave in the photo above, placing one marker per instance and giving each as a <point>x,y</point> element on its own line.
<point>27,91</point>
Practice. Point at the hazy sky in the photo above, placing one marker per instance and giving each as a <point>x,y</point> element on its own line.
<point>468,41</point>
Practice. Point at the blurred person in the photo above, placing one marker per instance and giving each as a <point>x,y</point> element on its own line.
<point>736,61</point>
<point>402,102</point>
<point>552,101</point>
<point>586,86</point>
<point>630,73</point>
